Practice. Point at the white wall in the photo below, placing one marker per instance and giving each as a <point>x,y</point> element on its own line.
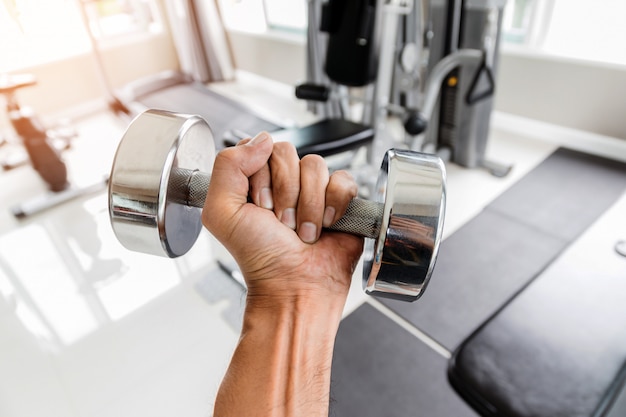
<point>576,94</point>
<point>279,59</point>
<point>73,81</point>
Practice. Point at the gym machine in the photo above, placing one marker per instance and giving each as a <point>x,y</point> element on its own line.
<point>433,68</point>
<point>430,63</point>
<point>461,123</point>
<point>43,148</point>
<point>230,120</point>
<point>43,155</point>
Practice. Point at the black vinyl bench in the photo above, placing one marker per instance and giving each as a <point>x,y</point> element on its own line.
<point>326,137</point>
<point>559,347</point>
<point>530,296</point>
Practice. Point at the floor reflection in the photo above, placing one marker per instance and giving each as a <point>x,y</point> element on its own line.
<point>66,276</point>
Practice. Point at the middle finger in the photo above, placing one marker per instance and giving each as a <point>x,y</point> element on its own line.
<point>285,170</point>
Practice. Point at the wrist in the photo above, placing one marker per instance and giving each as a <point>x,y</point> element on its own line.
<point>308,292</point>
<point>320,314</point>
<point>283,360</point>
<point>295,325</point>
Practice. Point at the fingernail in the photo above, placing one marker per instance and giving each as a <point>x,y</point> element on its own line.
<point>329,216</point>
<point>289,218</point>
<point>266,199</point>
<point>261,137</point>
<point>308,232</point>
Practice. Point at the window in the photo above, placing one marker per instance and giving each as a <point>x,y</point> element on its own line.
<point>257,16</point>
<point>286,14</point>
<point>590,30</point>
<point>516,25</point>
<point>571,28</point>
<point>114,18</point>
<point>35,31</point>
<point>243,15</point>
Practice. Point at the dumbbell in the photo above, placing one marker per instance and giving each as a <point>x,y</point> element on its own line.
<point>159,181</point>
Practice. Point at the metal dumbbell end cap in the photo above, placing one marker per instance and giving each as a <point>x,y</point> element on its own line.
<point>399,263</point>
<point>143,215</point>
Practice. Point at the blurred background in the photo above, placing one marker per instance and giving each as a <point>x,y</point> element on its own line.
<point>88,328</point>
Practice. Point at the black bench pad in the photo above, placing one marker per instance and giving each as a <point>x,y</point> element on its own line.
<point>563,195</point>
<point>479,268</point>
<point>559,347</point>
<point>380,370</point>
<point>326,137</point>
<point>495,255</point>
<point>230,119</point>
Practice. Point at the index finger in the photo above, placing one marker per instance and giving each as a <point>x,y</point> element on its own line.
<point>229,187</point>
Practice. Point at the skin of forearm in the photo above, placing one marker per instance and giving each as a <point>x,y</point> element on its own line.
<point>282,364</point>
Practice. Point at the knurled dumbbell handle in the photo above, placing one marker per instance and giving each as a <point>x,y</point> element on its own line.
<point>362,217</point>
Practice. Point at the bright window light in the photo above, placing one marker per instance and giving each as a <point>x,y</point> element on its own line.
<point>35,32</point>
<point>286,14</point>
<point>594,31</point>
<point>588,30</point>
<point>257,16</point>
<point>114,18</point>
<point>243,15</point>
<point>516,20</point>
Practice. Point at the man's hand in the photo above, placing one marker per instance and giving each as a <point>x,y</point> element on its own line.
<point>278,240</point>
<point>298,276</point>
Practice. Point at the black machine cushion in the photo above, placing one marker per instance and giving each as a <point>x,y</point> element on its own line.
<point>558,349</point>
<point>350,58</point>
<point>326,137</point>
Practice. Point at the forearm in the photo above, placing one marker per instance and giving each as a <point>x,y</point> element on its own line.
<point>282,364</point>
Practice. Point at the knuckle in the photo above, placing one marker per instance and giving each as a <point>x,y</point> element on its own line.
<point>344,175</point>
<point>227,155</point>
<point>343,181</point>
<point>313,161</point>
<point>243,141</point>
<point>282,149</point>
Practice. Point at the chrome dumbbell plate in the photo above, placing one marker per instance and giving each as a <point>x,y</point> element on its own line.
<point>143,216</point>
<point>399,263</point>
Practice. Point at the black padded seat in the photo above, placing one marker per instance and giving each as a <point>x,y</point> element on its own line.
<point>381,370</point>
<point>224,115</point>
<point>495,255</point>
<point>350,61</point>
<point>558,349</point>
<point>326,137</point>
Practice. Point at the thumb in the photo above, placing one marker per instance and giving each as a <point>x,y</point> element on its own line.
<point>229,186</point>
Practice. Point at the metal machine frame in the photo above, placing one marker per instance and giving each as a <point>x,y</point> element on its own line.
<point>436,71</point>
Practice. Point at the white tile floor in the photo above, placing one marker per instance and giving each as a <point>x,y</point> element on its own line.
<point>90,329</point>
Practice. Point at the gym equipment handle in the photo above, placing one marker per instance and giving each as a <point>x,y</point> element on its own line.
<point>362,218</point>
